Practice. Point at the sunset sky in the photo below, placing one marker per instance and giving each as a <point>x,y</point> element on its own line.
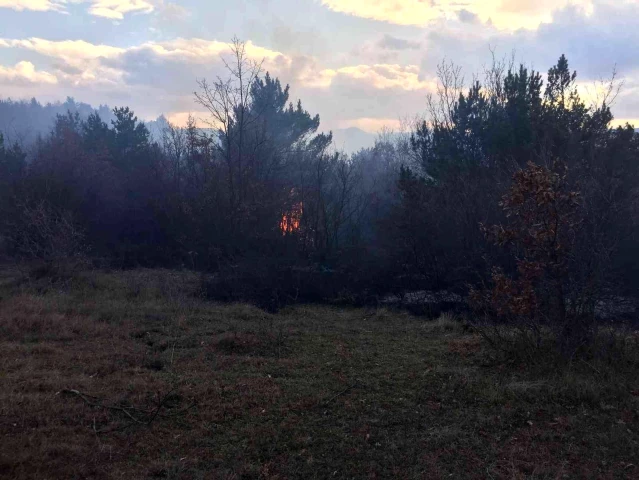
<point>358,63</point>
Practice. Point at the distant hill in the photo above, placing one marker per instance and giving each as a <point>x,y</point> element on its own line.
<point>352,139</point>
<point>22,121</point>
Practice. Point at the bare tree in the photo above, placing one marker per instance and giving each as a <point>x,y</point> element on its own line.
<point>605,91</point>
<point>174,141</point>
<point>450,84</point>
<point>494,75</point>
<point>228,101</point>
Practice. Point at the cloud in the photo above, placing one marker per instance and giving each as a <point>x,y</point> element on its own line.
<point>361,87</point>
<point>380,76</point>
<point>350,71</point>
<point>171,12</point>
<point>504,14</point>
<point>35,5</point>
<point>71,51</point>
<point>467,17</point>
<point>155,77</point>
<point>112,9</point>
<point>177,63</point>
<point>594,42</point>
<point>150,76</point>
<point>393,43</point>
<point>197,50</point>
<point>25,73</point>
<point>116,9</point>
<point>286,38</point>
<point>76,62</point>
<point>371,125</point>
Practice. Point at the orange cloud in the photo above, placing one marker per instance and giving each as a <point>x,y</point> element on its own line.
<point>504,14</point>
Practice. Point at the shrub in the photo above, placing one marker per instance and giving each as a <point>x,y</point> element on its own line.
<point>270,284</point>
<point>50,238</point>
<point>543,220</point>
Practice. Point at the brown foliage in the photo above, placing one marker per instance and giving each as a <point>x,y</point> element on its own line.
<point>543,216</point>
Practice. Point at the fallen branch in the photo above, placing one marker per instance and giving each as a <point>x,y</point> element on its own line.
<point>337,395</point>
<point>127,410</point>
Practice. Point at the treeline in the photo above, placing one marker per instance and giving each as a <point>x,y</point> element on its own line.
<point>261,201</point>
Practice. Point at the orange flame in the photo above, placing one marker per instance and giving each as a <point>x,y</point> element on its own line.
<point>291,220</point>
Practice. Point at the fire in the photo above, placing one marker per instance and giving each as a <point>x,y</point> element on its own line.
<point>291,220</point>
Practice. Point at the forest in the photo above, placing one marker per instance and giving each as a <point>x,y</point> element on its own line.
<point>512,195</point>
<point>237,298</point>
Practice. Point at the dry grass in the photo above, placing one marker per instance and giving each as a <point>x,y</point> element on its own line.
<point>181,388</point>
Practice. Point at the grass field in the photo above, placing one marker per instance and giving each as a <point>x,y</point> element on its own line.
<point>133,376</point>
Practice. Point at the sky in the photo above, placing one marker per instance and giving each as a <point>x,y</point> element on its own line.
<point>356,63</point>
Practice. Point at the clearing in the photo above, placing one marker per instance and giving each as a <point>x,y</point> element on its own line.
<point>133,376</point>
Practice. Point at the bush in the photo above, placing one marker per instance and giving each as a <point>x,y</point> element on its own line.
<point>543,220</point>
<point>270,284</point>
<point>49,238</point>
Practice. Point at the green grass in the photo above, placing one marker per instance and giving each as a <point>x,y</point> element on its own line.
<point>231,392</point>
